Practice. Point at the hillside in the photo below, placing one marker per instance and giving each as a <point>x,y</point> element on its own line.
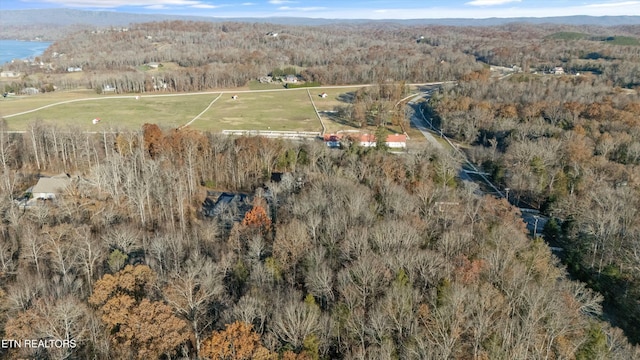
<point>28,24</point>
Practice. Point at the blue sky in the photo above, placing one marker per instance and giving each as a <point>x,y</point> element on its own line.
<point>346,9</point>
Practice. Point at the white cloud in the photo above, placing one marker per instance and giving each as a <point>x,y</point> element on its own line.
<point>149,4</point>
<point>248,4</point>
<point>206,6</point>
<point>309,8</point>
<point>490,2</point>
<point>278,2</point>
<point>614,4</point>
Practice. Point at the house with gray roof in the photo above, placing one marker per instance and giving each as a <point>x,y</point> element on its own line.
<point>48,188</point>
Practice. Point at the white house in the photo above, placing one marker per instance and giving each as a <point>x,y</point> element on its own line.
<point>291,79</point>
<point>396,141</point>
<point>9,74</point>
<point>30,91</point>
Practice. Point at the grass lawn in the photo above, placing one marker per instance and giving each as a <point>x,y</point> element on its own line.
<point>118,113</point>
<point>568,35</point>
<point>19,103</point>
<point>289,110</point>
<point>256,85</point>
<point>256,109</point>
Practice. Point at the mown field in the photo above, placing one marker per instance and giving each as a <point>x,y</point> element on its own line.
<point>115,112</point>
<point>288,110</point>
<point>265,109</point>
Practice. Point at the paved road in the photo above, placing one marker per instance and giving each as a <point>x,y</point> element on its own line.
<point>534,220</point>
<point>418,120</point>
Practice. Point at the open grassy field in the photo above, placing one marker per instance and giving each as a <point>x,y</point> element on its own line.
<point>19,103</point>
<point>282,110</point>
<point>288,110</point>
<point>568,35</point>
<point>614,40</point>
<point>116,112</point>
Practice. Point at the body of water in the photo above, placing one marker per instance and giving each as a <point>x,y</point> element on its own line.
<point>14,49</point>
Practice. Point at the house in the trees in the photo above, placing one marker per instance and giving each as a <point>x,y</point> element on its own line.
<point>396,141</point>
<point>367,140</point>
<point>48,188</point>
<point>153,65</point>
<point>332,140</point>
<point>9,74</point>
<point>291,79</point>
<point>30,91</point>
<point>558,70</point>
<point>230,206</point>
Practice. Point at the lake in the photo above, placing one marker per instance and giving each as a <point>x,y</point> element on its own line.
<point>14,49</point>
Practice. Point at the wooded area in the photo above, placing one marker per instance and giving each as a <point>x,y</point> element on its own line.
<point>194,56</point>
<point>570,147</point>
<point>361,261</point>
<point>353,253</point>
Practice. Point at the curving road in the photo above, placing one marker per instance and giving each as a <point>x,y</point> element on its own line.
<point>533,219</point>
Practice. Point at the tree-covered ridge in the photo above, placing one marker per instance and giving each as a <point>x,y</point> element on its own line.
<point>350,255</point>
<point>196,56</point>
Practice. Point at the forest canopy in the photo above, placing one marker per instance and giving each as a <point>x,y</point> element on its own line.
<point>349,253</point>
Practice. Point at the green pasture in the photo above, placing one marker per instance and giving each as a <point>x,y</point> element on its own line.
<point>288,110</point>
<point>285,110</point>
<point>19,103</point>
<point>117,112</point>
<point>613,40</point>
<point>568,35</point>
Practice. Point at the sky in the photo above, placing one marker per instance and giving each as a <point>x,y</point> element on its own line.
<point>346,9</point>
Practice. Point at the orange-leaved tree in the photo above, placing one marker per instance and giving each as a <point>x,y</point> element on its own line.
<point>141,327</point>
<point>237,341</point>
<point>257,217</point>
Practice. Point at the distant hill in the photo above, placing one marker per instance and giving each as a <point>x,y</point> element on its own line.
<point>51,24</point>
